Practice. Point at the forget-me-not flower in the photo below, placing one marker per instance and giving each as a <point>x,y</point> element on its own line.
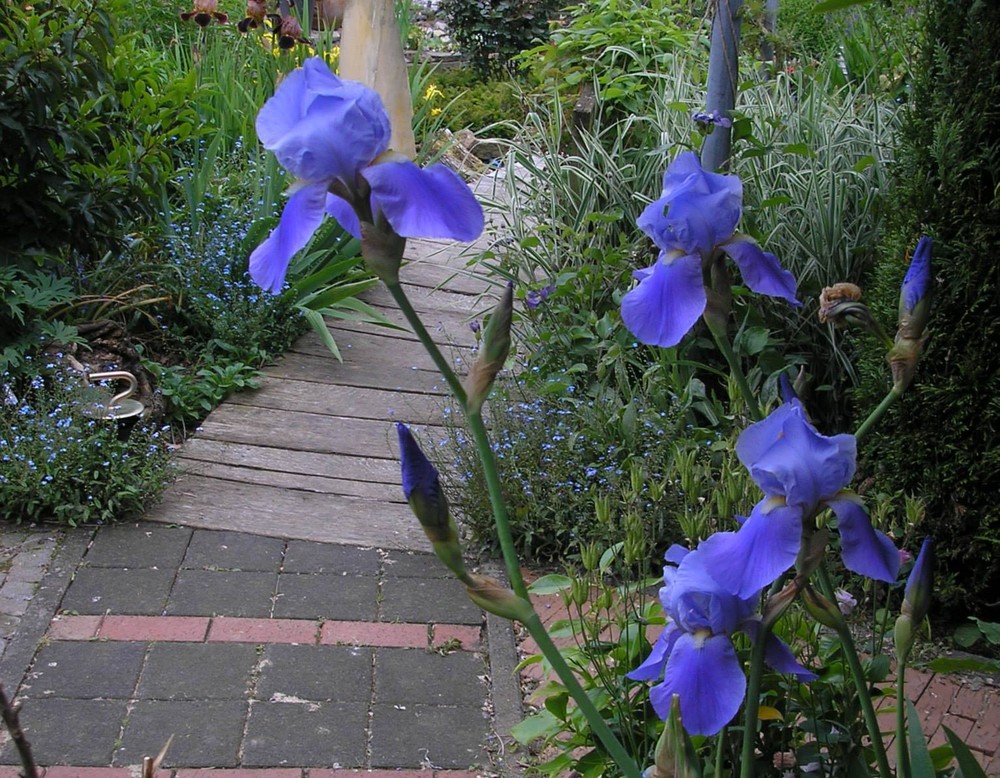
<point>696,215</point>
<point>695,655</point>
<point>800,472</point>
<point>333,136</point>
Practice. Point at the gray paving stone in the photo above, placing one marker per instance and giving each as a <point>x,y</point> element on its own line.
<point>207,733</point>
<point>400,564</point>
<point>85,670</point>
<point>222,593</point>
<point>305,557</point>
<point>313,734</point>
<point>74,732</point>
<point>413,675</point>
<point>198,671</point>
<point>98,590</point>
<point>335,673</point>
<point>351,597</point>
<point>143,545</point>
<point>417,735</point>
<point>428,600</point>
<point>211,550</point>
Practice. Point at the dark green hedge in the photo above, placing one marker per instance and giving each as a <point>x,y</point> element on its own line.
<point>942,441</point>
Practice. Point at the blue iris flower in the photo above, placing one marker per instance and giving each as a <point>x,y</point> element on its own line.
<point>696,214</point>
<point>695,654</point>
<point>917,282</point>
<point>800,472</point>
<point>333,136</point>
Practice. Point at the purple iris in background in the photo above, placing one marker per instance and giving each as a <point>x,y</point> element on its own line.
<point>696,214</point>
<point>332,135</point>
<point>534,298</point>
<point>800,472</point>
<point>695,653</point>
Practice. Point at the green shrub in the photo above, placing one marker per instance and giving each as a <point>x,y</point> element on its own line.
<point>58,464</point>
<point>91,127</point>
<point>466,100</point>
<point>939,442</point>
<point>492,32</point>
<point>617,45</point>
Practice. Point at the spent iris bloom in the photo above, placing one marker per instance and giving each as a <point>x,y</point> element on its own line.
<point>333,136</point>
<point>695,654</point>
<point>800,472</point>
<point>695,216</point>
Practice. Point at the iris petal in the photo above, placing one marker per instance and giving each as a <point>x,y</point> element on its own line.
<point>302,215</point>
<point>666,303</point>
<point>341,210</point>
<point>424,203</point>
<point>652,668</point>
<point>707,676</point>
<point>745,561</point>
<point>777,654</point>
<point>865,550</point>
<point>761,271</point>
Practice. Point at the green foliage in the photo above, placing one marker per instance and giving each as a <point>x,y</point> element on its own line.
<point>91,124</point>
<point>941,443</point>
<point>467,100</point>
<point>191,393</point>
<point>57,464</point>
<point>616,45</point>
<point>491,33</point>
<point>26,295</point>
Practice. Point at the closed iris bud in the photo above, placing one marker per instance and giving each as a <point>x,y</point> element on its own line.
<point>493,352</point>
<point>422,489</point>
<point>494,598</point>
<point>821,609</point>
<point>917,597</point>
<point>914,310</point>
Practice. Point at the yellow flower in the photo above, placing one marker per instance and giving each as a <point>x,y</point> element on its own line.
<point>432,92</point>
<point>435,111</point>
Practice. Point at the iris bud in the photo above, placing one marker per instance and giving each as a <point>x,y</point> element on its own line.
<point>675,756</point>
<point>492,353</point>
<point>914,310</point>
<point>422,489</point>
<point>820,608</point>
<point>489,595</point>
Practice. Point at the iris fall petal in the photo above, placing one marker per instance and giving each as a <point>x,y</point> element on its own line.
<point>666,303</point>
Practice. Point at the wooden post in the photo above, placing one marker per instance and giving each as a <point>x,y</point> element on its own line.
<point>371,52</point>
<point>723,75</point>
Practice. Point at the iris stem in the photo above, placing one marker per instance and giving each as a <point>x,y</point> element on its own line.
<point>752,706</point>
<point>429,345</point>
<point>860,682</point>
<point>500,517</point>
<point>533,624</point>
<point>876,415</point>
<point>902,757</point>
<point>735,368</point>
<point>597,723</point>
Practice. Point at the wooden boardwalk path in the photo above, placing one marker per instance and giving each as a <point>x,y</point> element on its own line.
<point>312,454</point>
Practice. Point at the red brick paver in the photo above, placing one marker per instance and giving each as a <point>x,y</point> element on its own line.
<point>240,630</point>
<point>165,628</point>
<point>367,633</point>
<point>74,628</point>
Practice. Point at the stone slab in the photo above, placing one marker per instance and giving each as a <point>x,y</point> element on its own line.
<point>198,671</point>
<point>138,545</point>
<point>316,673</point>
<point>428,600</point>
<point>97,590</point>
<point>309,734</point>
<point>222,593</point>
<point>400,564</point>
<point>305,557</point>
<point>85,670</point>
<point>410,675</point>
<point>428,735</point>
<point>342,597</point>
<point>94,724</point>
<point>223,550</point>
<point>207,733</point>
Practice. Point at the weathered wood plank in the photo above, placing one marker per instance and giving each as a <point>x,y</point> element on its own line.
<point>381,492</point>
<point>298,431</point>
<point>435,302</point>
<point>366,349</point>
<point>376,375</point>
<point>197,501</point>
<point>309,463</point>
<point>358,402</point>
